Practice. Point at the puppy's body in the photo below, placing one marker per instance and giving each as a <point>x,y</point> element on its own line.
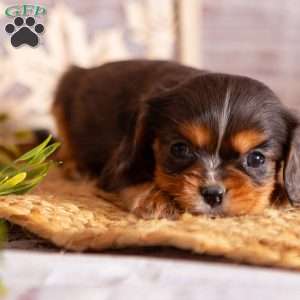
<point>128,122</point>
<point>100,107</point>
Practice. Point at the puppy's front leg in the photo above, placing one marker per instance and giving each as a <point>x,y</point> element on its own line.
<point>146,201</point>
<point>149,202</point>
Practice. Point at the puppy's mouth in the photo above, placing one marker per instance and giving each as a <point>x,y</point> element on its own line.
<point>200,207</point>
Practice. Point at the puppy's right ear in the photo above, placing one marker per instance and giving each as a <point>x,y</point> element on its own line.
<point>292,168</point>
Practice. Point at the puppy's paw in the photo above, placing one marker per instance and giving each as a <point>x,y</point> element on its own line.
<point>156,206</point>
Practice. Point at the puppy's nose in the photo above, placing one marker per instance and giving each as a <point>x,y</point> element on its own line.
<point>213,195</point>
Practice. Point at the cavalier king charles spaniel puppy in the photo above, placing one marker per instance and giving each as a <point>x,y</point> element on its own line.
<point>166,138</point>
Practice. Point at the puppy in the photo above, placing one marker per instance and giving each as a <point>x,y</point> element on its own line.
<point>166,138</point>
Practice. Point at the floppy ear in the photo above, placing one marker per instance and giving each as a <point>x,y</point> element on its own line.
<point>133,161</point>
<point>292,169</point>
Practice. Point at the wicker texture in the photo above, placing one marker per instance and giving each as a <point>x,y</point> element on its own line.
<point>70,215</point>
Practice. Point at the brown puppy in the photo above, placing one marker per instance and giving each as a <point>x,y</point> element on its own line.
<point>169,138</point>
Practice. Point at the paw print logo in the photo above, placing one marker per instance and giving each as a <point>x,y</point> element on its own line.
<point>24,32</point>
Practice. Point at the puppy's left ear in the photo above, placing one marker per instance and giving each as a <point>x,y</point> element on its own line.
<point>133,159</point>
<point>291,172</point>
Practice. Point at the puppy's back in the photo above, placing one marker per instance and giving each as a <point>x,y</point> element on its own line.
<point>96,108</point>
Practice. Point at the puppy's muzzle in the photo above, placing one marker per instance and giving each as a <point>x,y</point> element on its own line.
<point>213,195</point>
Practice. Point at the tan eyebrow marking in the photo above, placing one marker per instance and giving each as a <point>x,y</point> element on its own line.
<point>198,135</point>
<point>245,140</point>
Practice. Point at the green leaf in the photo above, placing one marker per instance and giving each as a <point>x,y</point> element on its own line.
<point>38,170</point>
<point>35,151</point>
<point>27,171</point>
<point>8,171</point>
<point>13,181</point>
<point>42,155</point>
<point>22,188</point>
<point>4,179</point>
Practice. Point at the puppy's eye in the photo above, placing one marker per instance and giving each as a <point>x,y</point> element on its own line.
<point>180,150</point>
<point>255,159</point>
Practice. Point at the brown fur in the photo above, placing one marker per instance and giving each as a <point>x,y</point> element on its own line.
<point>118,122</point>
<point>65,153</point>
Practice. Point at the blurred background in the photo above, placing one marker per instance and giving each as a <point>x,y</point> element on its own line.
<point>256,38</point>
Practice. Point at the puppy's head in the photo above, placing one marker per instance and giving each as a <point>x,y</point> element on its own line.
<point>219,142</point>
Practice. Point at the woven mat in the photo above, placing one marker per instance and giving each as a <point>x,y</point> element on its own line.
<point>71,216</point>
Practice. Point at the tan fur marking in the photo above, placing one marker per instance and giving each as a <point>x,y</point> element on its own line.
<point>244,196</point>
<point>246,140</point>
<point>198,135</point>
